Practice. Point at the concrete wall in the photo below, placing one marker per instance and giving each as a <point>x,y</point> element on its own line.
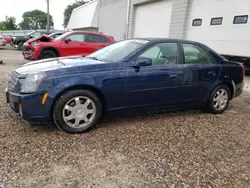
<point>179,20</point>
<point>112,18</point>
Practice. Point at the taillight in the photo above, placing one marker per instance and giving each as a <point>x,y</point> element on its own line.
<point>243,68</point>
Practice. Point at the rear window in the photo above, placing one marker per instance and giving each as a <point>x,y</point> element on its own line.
<point>96,38</point>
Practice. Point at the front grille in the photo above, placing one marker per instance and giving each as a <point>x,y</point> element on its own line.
<point>25,48</point>
<point>14,85</point>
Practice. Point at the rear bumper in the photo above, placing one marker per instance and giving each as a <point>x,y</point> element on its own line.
<point>29,106</point>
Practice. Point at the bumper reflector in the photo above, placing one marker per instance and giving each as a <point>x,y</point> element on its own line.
<point>45,96</point>
<point>20,109</point>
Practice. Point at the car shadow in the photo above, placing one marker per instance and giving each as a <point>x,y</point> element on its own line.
<point>8,48</point>
<point>132,116</point>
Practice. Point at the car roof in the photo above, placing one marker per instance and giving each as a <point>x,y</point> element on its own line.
<point>87,32</point>
<point>151,39</point>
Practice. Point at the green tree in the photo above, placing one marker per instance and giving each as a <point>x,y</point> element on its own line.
<point>2,26</point>
<point>8,24</point>
<point>68,11</point>
<point>35,19</point>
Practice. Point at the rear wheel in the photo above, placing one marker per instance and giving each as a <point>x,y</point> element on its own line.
<point>77,111</point>
<point>46,54</point>
<point>219,99</point>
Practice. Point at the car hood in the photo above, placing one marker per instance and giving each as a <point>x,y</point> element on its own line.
<point>40,38</point>
<point>58,65</point>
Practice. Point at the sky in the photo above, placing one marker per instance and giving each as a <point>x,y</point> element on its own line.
<point>17,7</point>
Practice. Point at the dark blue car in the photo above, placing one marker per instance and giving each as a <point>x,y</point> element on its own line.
<point>75,92</point>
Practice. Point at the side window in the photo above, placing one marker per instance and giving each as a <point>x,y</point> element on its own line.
<point>77,38</point>
<point>162,54</point>
<point>194,54</point>
<point>36,34</point>
<point>96,38</point>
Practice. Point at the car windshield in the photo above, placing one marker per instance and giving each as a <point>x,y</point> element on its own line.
<point>118,51</point>
<point>61,37</point>
<point>31,33</point>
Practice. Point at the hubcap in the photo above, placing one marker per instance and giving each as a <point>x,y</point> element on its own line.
<point>220,99</point>
<point>79,112</point>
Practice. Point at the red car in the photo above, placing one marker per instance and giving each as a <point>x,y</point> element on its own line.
<point>8,38</point>
<point>68,44</point>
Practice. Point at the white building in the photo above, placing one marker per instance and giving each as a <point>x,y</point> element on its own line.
<point>85,17</point>
<point>221,24</point>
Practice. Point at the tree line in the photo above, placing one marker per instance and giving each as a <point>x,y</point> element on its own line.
<point>37,19</point>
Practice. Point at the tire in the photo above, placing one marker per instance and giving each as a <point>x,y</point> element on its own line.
<point>218,102</point>
<point>20,45</point>
<point>46,54</point>
<point>72,109</point>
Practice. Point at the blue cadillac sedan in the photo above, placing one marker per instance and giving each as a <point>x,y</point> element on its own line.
<point>74,92</point>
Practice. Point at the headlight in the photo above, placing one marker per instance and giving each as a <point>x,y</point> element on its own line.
<point>32,82</point>
<point>37,43</point>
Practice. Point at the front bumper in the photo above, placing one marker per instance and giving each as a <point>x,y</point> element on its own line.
<point>28,53</point>
<point>29,106</point>
<point>13,44</point>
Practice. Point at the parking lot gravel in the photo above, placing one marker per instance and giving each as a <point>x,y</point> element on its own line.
<point>187,149</point>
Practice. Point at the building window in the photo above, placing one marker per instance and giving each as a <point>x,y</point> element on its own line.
<point>216,21</point>
<point>240,19</point>
<point>197,22</point>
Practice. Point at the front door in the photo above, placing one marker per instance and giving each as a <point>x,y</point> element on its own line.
<point>158,84</point>
<point>74,45</point>
<point>200,73</point>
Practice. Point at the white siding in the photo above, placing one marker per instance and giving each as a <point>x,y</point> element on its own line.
<point>84,16</point>
<point>153,19</point>
<point>228,38</point>
<point>112,18</point>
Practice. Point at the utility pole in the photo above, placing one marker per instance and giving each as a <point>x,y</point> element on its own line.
<point>48,16</point>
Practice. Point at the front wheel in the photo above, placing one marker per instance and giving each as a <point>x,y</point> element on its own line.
<point>20,45</point>
<point>219,99</point>
<point>47,54</point>
<point>77,111</point>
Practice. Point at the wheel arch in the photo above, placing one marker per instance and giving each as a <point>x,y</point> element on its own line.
<point>50,48</point>
<point>79,87</point>
<point>230,85</point>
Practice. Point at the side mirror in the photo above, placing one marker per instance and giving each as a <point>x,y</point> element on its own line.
<point>143,61</point>
<point>67,40</point>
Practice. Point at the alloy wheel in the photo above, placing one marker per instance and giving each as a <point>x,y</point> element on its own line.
<point>79,112</point>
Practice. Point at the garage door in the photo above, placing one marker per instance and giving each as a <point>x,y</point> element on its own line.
<point>153,19</point>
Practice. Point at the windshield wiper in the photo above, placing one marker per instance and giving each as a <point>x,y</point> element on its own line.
<point>93,58</point>
<point>58,61</point>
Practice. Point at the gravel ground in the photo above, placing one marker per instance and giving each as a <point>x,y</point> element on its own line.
<point>182,149</point>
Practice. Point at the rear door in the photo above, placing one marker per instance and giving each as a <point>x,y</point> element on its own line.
<point>74,44</point>
<point>95,42</point>
<point>200,72</point>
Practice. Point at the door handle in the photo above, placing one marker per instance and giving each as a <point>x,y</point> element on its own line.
<point>174,76</point>
<point>211,73</point>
